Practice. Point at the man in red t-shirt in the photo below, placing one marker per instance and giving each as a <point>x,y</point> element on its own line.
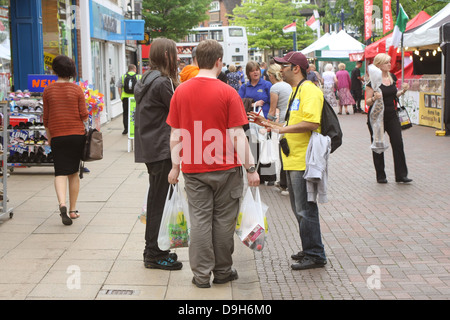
<point>206,116</point>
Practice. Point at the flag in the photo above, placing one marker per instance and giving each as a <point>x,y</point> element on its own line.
<point>290,28</point>
<point>387,16</point>
<point>400,27</point>
<point>368,6</point>
<point>313,23</point>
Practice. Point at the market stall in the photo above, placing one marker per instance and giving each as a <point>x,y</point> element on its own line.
<point>426,97</point>
<point>334,47</point>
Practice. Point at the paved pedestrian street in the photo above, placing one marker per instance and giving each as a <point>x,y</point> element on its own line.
<point>383,241</point>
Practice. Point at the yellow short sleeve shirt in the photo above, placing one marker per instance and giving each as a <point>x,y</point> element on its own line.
<point>306,106</point>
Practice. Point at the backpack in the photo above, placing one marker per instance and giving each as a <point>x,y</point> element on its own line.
<point>129,82</point>
<point>330,126</point>
<point>329,122</point>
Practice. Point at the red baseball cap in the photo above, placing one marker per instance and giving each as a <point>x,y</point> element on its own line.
<point>294,57</point>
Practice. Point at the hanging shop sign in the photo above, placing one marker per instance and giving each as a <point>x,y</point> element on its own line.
<point>146,40</point>
<point>38,82</point>
<point>134,29</point>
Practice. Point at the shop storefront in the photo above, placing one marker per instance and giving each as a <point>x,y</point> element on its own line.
<point>94,33</point>
<point>40,30</point>
<point>107,54</point>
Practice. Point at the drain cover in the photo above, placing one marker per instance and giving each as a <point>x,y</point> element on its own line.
<point>119,292</point>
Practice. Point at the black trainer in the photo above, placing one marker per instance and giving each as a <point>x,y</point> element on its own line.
<point>298,256</point>
<point>163,264</point>
<point>172,255</point>
<point>308,263</point>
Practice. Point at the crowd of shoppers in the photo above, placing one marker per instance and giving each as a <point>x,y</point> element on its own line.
<point>169,111</point>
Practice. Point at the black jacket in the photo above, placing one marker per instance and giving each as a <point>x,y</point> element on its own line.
<point>153,93</point>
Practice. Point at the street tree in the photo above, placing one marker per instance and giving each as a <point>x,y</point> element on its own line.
<point>173,18</point>
<point>264,21</point>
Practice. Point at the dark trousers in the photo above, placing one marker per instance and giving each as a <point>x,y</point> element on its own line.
<point>394,130</point>
<point>159,186</point>
<point>125,113</point>
<point>283,180</point>
<point>357,96</point>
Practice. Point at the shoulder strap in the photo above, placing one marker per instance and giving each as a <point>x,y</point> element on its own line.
<point>288,111</point>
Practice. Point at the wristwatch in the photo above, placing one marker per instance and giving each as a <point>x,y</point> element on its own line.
<point>251,169</point>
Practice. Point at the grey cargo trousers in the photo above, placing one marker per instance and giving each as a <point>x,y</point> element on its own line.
<point>214,199</point>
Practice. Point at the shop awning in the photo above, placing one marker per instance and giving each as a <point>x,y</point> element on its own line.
<point>428,32</point>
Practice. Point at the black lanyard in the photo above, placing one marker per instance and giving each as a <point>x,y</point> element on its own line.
<point>288,112</point>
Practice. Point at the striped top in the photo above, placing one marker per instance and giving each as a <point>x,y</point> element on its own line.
<point>64,109</point>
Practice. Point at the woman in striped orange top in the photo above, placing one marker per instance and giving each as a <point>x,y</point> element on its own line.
<point>65,119</point>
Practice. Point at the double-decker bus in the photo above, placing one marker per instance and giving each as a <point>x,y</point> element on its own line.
<point>233,40</point>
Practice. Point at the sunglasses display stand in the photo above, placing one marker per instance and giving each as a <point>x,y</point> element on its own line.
<point>27,145</point>
<point>5,212</point>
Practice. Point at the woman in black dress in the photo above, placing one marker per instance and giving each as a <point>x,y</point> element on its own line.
<point>389,94</point>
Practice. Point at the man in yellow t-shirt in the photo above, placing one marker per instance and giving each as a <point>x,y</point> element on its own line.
<point>302,117</point>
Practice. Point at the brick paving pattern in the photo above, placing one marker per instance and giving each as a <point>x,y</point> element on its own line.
<point>396,233</point>
<point>393,235</point>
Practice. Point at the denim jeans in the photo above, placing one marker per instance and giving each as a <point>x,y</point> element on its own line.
<point>307,214</point>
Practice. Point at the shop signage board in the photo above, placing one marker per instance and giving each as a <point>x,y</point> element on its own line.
<point>111,26</point>
<point>430,111</point>
<point>38,82</point>
<point>105,23</point>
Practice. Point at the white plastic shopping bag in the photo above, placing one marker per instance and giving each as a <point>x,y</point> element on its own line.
<point>376,114</point>
<point>268,148</point>
<point>143,215</point>
<point>175,224</point>
<point>251,226</point>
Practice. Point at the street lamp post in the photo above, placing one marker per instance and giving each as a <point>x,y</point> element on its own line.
<point>343,15</point>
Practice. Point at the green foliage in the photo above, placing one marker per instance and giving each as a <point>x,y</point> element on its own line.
<point>264,21</point>
<point>173,18</point>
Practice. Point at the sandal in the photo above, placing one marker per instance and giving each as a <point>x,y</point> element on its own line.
<point>76,214</point>
<point>63,214</point>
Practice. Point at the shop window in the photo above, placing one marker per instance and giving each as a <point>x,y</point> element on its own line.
<point>97,55</point>
<point>59,30</point>
<point>113,70</point>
